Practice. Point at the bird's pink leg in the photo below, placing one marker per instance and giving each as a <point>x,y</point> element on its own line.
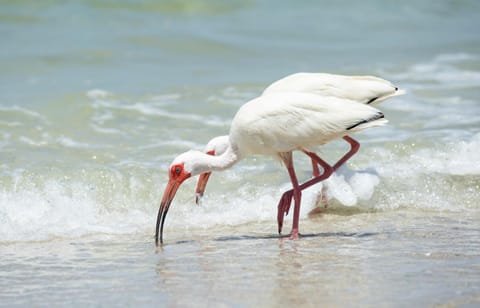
<point>286,198</point>
<point>315,169</point>
<point>297,196</point>
<point>354,146</point>
<point>285,201</point>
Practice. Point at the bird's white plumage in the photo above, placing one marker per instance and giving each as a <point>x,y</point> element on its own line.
<point>283,122</point>
<point>362,89</point>
<point>277,123</point>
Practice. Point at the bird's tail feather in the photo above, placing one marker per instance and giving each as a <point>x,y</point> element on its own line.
<point>377,119</point>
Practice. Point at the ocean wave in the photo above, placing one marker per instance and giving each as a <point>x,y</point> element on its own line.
<point>445,71</point>
<point>22,110</point>
<point>97,94</point>
<point>455,158</point>
<point>151,109</point>
<point>70,143</point>
<point>124,200</point>
<point>42,214</point>
<point>40,206</point>
<point>105,130</point>
<point>44,204</point>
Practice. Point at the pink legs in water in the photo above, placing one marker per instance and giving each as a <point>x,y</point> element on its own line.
<point>296,192</point>
<point>354,146</point>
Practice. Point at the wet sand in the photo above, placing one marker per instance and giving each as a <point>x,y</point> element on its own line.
<point>384,259</point>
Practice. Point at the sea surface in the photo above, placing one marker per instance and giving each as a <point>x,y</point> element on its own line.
<point>98,97</point>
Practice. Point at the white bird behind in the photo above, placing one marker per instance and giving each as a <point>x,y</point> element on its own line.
<point>362,89</point>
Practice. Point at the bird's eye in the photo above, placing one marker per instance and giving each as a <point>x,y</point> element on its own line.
<point>176,170</point>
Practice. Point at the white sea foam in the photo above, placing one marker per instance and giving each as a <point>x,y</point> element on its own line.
<point>454,57</point>
<point>455,158</point>
<point>460,158</point>
<point>23,110</point>
<point>123,203</point>
<point>57,210</point>
<point>68,142</point>
<point>98,94</point>
<point>348,187</point>
<point>106,130</point>
<point>173,142</point>
<point>32,142</point>
<point>152,109</point>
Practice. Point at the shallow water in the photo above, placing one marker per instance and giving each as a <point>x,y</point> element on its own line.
<point>370,259</point>
<point>98,97</point>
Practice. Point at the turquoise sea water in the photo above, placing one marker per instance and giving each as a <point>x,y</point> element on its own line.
<point>98,97</point>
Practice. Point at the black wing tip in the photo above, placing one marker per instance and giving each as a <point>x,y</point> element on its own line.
<point>376,116</point>
<point>372,100</point>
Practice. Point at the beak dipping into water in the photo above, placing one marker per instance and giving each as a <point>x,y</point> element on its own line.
<point>168,196</point>
<point>177,176</point>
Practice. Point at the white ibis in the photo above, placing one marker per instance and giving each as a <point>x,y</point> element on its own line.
<point>361,89</point>
<point>275,125</point>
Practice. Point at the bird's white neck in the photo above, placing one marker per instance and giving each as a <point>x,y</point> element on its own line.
<point>225,160</point>
<point>207,163</point>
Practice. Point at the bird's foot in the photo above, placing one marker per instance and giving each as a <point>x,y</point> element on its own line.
<point>322,197</point>
<point>283,208</point>
<point>294,235</point>
<point>198,198</point>
<point>321,202</point>
<point>315,211</point>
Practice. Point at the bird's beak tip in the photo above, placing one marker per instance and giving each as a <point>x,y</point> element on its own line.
<point>201,185</point>
<point>198,198</point>
<point>168,196</point>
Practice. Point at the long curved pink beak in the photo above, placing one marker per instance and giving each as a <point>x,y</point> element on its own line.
<point>168,196</point>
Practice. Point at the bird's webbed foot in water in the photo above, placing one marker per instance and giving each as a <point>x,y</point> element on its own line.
<point>283,208</point>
